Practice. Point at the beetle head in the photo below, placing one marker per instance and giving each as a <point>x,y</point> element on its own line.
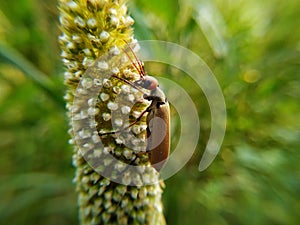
<point>148,82</point>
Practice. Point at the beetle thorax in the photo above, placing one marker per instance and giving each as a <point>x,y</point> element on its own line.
<point>158,95</point>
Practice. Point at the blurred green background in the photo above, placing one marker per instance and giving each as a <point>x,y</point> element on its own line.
<point>252,47</point>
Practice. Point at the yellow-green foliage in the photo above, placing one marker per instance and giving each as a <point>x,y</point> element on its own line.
<point>254,179</point>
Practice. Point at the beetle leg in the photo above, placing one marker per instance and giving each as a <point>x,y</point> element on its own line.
<point>130,125</point>
<point>129,83</point>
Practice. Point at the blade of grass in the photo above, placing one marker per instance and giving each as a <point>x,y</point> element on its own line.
<point>210,20</point>
<point>12,56</point>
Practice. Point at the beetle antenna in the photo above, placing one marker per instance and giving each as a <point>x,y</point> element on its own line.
<point>133,63</point>
<point>140,67</point>
<point>137,60</point>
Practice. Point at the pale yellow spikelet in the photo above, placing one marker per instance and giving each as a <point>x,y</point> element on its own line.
<point>94,34</point>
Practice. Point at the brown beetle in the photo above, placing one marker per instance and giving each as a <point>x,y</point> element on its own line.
<point>158,128</point>
<point>158,117</point>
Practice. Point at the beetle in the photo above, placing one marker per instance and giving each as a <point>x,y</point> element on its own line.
<point>159,108</point>
<point>158,116</point>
